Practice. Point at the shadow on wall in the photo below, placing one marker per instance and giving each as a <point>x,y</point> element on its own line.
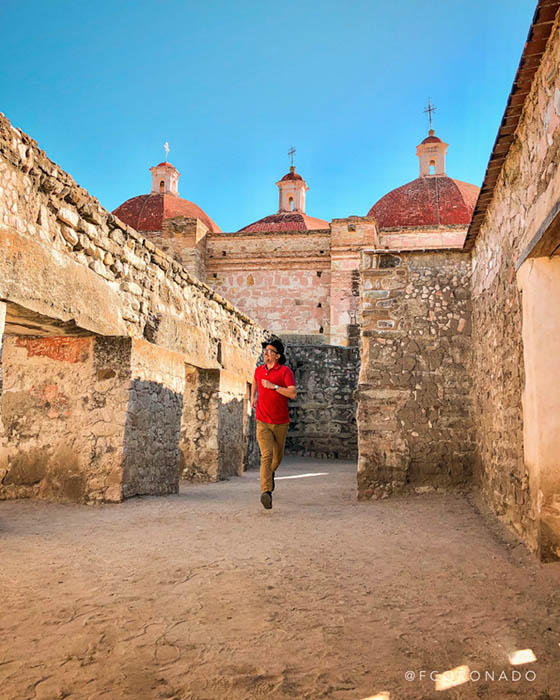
<point>323,417</point>
<point>214,423</point>
<point>151,440</point>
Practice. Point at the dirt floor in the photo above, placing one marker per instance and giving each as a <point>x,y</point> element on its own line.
<point>206,595</point>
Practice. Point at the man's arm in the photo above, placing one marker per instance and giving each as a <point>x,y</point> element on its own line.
<point>253,394</point>
<point>289,391</point>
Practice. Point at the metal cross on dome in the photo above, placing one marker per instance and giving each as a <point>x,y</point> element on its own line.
<point>292,153</point>
<point>166,146</point>
<point>429,110</point>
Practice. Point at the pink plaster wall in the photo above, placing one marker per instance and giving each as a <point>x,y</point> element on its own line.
<point>283,301</point>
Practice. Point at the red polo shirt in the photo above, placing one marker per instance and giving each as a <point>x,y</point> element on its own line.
<point>272,407</point>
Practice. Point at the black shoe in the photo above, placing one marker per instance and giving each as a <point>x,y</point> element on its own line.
<point>266,499</point>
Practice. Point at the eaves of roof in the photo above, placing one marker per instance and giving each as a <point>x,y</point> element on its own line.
<point>533,51</point>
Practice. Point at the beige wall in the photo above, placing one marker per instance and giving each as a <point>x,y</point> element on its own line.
<point>539,281</point>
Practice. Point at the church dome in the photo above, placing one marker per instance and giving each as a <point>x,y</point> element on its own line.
<point>286,221</point>
<point>291,214</point>
<point>432,139</point>
<point>147,212</point>
<point>427,201</point>
<point>433,199</point>
<point>292,175</point>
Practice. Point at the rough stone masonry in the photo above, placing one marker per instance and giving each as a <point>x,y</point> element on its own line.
<point>414,416</point>
<point>101,331</point>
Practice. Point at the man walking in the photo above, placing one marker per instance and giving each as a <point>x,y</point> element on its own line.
<point>273,385</point>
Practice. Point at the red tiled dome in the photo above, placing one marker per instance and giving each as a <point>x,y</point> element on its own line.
<point>292,176</point>
<point>166,165</point>
<point>427,201</point>
<point>432,139</point>
<point>287,221</point>
<point>147,212</point>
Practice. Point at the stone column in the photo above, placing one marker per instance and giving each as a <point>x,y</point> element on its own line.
<point>153,421</point>
<point>2,321</point>
<point>2,326</point>
<point>3,453</point>
<point>214,424</point>
<point>539,280</point>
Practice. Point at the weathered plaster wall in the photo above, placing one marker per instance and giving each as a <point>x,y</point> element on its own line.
<point>61,420</point>
<point>323,417</point>
<point>69,270</point>
<point>284,301</point>
<point>527,190</point>
<point>282,280</point>
<point>64,256</point>
<point>90,419</point>
<point>414,419</point>
<point>539,281</point>
<point>422,237</point>
<point>349,237</point>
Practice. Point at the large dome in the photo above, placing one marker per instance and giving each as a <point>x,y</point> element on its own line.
<point>286,221</point>
<point>427,201</point>
<point>147,212</point>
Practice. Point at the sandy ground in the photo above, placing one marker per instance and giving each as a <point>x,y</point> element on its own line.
<point>207,595</point>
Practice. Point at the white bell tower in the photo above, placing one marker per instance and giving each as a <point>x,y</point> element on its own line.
<point>431,153</point>
<point>165,178</point>
<point>292,188</point>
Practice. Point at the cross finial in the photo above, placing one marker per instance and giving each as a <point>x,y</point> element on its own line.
<point>291,153</point>
<point>166,146</point>
<point>429,111</point>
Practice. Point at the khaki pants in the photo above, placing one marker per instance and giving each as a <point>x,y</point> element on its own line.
<point>271,439</point>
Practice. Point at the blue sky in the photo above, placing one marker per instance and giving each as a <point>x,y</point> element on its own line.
<point>231,85</point>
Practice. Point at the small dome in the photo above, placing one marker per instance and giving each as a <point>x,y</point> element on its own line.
<point>432,139</point>
<point>165,164</point>
<point>427,201</point>
<point>147,212</point>
<point>292,175</point>
<point>288,221</point>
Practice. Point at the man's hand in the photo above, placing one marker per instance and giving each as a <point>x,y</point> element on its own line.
<point>288,391</point>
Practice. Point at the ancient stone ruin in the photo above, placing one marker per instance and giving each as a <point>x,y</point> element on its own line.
<point>424,336</point>
<point>104,337</point>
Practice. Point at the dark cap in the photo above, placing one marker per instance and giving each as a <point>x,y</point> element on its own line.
<point>278,345</point>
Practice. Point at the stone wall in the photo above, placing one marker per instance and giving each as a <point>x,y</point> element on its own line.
<point>89,419</point>
<point>74,280</point>
<point>66,258</point>
<point>349,237</point>
<point>323,417</point>
<point>414,418</point>
<point>527,191</point>
<point>213,412</point>
<point>184,240</point>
